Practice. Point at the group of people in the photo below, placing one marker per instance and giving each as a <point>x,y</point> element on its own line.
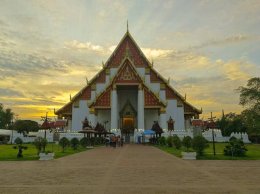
<point>114,141</point>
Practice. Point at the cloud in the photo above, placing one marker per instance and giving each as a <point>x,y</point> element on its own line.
<point>228,40</point>
<point>156,53</point>
<point>83,46</point>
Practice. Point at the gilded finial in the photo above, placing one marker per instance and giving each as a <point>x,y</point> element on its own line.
<point>70,97</point>
<point>86,80</point>
<point>126,25</point>
<point>200,109</point>
<point>185,97</point>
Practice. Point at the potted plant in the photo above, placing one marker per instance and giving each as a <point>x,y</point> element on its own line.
<point>187,143</point>
<point>40,143</point>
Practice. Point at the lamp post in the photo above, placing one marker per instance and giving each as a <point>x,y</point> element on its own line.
<point>212,124</point>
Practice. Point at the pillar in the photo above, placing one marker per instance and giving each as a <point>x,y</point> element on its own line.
<point>140,109</point>
<point>163,119</point>
<point>114,109</point>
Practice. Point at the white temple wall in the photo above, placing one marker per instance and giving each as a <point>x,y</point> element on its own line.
<point>141,71</point>
<point>100,87</point>
<point>150,115</point>
<point>113,72</point>
<point>180,116</point>
<point>104,115</point>
<point>176,113</point>
<point>155,87</point>
<point>93,95</point>
<point>162,95</point>
<point>79,114</point>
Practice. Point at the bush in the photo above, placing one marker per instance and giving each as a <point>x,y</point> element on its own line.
<point>176,142</point>
<point>40,143</point>
<point>84,142</point>
<point>199,144</point>
<point>64,142</point>
<point>169,141</point>
<point>18,141</point>
<point>74,142</point>
<point>236,147</point>
<point>187,142</point>
<point>162,141</point>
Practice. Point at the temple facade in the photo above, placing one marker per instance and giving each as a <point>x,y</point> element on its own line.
<point>128,94</point>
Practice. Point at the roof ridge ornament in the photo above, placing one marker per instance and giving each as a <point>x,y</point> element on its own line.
<point>127,26</point>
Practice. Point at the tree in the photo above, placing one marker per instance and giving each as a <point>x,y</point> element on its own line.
<point>18,141</point>
<point>24,126</point>
<point>74,142</point>
<point>6,117</point>
<point>250,98</point>
<point>84,142</point>
<point>199,144</point>
<point>40,143</point>
<point>250,95</point>
<point>64,142</point>
<point>236,147</point>
<point>187,142</point>
<point>176,142</point>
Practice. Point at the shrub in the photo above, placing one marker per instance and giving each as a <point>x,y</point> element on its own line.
<point>18,141</point>
<point>169,141</point>
<point>199,144</point>
<point>176,142</point>
<point>84,142</point>
<point>40,143</point>
<point>236,147</point>
<point>162,141</point>
<point>74,142</point>
<point>64,142</point>
<point>187,142</point>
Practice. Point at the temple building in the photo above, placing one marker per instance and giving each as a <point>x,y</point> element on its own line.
<point>128,94</point>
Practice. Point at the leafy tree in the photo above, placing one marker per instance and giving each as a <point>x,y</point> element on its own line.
<point>74,142</point>
<point>199,144</point>
<point>176,142</point>
<point>169,141</point>
<point>64,142</point>
<point>24,126</point>
<point>250,98</point>
<point>6,117</point>
<point>18,141</point>
<point>40,143</point>
<point>187,142</point>
<point>231,122</point>
<point>236,147</point>
<point>162,141</point>
<point>84,142</point>
<point>250,95</point>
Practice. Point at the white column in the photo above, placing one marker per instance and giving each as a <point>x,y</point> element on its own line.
<point>114,109</point>
<point>140,109</point>
<point>163,120</point>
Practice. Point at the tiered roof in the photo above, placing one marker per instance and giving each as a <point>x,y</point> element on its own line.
<point>127,57</point>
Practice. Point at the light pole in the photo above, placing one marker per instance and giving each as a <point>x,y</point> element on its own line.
<point>212,124</point>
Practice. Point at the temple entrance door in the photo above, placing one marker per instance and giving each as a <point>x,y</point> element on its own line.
<point>128,128</point>
<point>128,122</point>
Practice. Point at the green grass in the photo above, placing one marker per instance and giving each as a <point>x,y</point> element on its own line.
<point>253,152</point>
<point>7,152</point>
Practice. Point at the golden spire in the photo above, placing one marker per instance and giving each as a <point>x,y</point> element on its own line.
<point>127,26</point>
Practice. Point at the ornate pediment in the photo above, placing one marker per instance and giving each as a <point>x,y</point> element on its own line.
<point>127,74</point>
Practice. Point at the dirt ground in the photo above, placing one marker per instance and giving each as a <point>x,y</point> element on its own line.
<point>131,169</point>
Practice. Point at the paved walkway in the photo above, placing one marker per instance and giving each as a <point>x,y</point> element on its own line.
<point>131,169</point>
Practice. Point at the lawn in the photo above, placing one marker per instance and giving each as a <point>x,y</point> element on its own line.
<point>7,152</point>
<point>253,152</point>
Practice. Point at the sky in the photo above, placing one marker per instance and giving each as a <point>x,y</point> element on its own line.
<point>48,48</point>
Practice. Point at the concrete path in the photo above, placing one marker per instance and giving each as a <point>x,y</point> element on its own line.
<point>131,169</point>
